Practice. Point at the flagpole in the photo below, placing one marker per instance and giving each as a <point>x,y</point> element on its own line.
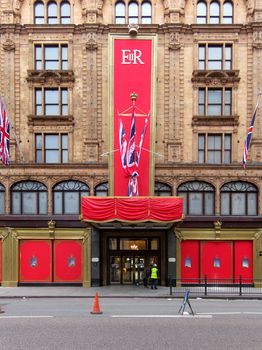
<point>13,131</point>
<point>250,132</point>
<point>18,144</point>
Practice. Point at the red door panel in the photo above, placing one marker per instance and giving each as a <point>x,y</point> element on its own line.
<point>243,261</point>
<point>35,261</point>
<point>217,260</point>
<point>190,261</point>
<point>68,261</point>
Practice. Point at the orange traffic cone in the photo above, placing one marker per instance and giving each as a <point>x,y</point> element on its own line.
<point>96,308</point>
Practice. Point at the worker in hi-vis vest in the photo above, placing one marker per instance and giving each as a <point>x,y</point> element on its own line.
<point>154,276</point>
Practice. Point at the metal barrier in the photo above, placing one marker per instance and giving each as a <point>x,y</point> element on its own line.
<point>216,287</point>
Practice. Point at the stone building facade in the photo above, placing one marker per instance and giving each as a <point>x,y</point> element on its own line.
<point>55,82</point>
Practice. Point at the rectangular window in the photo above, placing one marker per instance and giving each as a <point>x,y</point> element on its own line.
<point>214,57</point>
<point>215,102</point>
<point>51,148</point>
<point>214,148</point>
<point>51,57</point>
<point>51,102</point>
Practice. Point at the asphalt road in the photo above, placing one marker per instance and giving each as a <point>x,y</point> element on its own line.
<point>130,324</point>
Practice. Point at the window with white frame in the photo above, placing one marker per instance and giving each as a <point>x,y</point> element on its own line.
<point>133,12</point>
<point>215,101</point>
<point>51,101</point>
<point>239,198</point>
<point>51,148</point>
<point>214,12</point>
<point>51,57</point>
<point>215,56</point>
<point>52,12</point>
<point>214,148</point>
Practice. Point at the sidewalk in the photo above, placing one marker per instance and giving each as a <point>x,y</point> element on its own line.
<point>80,292</point>
<point>131,291</point>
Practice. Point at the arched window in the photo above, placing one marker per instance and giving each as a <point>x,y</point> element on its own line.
<point>67,197</point>
<point>39,15</point>
<point>162,189</point>
<point>199,198</point>
<point>214,12</point>
<point>239,198</point>
<point>101,190</point>
<point>52,13</point>
<point>65,12</point>
<point>133,12</point>
<point>2,199</point>
<point>201,12</point>
<point>28,197</point>
<point>146,13</point>
<point>120,12</point>
<point>227,12</point>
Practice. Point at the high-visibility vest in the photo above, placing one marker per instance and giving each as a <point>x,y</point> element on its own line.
<point>154,272</point>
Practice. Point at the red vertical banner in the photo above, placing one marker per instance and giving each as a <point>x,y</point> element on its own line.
<point>132,76</point>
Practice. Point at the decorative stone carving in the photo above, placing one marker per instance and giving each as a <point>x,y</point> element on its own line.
<point>174,151</point>
<point>50,77</point>
<point>215,78</point>
<point>9,45</point>
<point>174,43</point>
<point>257,39</point>
<point>215,121</point>
<point>92,149</point>
<point>91,43</point>
<point>43,121</point>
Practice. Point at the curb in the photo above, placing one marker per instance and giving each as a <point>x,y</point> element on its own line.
<point>129,297</point>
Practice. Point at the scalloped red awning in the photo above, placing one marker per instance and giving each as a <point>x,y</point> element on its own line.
<point>132,209</point>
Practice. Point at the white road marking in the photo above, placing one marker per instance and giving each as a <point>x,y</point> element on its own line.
<point>161,316</point>
<point>220,313</point>
<point>26,317</point>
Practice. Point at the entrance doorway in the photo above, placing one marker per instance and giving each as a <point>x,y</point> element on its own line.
<point>128,259</point>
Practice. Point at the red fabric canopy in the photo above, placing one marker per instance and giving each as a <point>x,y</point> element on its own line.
<point>132,209</point>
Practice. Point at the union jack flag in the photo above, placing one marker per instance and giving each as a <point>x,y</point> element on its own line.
<point>131,147</point>
<point>122,144</point>
<point>249,136</point>
<point>133,185</point>
<point>4,134</point>
<point>141,142</point>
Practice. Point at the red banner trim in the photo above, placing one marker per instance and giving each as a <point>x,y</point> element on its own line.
<point>132,209</point>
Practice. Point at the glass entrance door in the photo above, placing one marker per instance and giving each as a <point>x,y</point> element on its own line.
<point>129,257</point>
<point>129,269</point>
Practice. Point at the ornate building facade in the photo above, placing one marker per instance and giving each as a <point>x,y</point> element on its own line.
<point>56,80</point>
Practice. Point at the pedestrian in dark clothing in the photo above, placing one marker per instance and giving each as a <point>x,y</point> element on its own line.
<point>146,275</point>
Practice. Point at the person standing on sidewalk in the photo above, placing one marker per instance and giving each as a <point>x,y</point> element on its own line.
<point>154,276</point>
